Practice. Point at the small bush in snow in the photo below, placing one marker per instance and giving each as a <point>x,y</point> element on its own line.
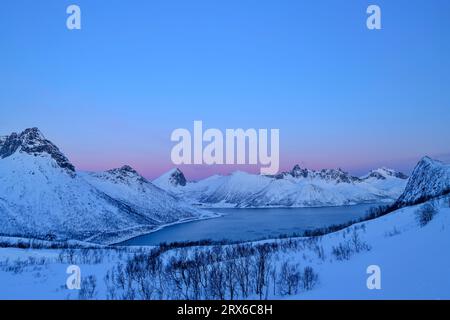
<point>358,244</point>
<point>425,214</point>
<point>394,232</point>
<point>309,278</point>
<point>88,288</point>
<point>343,251</point>
<point>289,279</point>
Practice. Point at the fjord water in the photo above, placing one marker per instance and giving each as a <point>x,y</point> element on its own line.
<point>253,224</point>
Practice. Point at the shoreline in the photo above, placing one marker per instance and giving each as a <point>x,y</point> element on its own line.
<point>221,214</point>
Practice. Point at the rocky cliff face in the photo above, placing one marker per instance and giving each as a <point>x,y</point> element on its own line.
<point>31,141</point>
<point>328,175</point>
<point>430,178</point>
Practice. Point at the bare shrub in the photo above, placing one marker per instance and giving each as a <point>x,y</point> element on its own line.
<point>394,232</point>
<point>343,251</point>
<point>262,269</point>
<point>289,279</point>
<point>357,243</point>
<point>309,278</point>
<point>425,214</point>
<point>88,290</point>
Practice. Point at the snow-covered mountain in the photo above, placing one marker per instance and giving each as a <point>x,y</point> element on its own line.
<point>42,195</point>
<point>430,178</point>
<point>328,175</point>
<point>127,185</point>
<point>383,174</point>
<point>172,179</point>
<point>299,187</point>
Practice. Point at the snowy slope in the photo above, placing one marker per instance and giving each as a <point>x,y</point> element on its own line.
<point>128,186</point>
<point>413,261</point>
<point>297,188</point>
<point>41,195</point>
<point>387,180</point>
<point>430,178</point>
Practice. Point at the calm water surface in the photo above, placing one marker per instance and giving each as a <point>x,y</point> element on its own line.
<point>253,224</point>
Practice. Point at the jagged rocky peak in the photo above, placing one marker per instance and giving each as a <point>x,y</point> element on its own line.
<point>337,175</point>
<point>177,178</point>
<point>383,173</point>
<point>126,172</point>
<point>33,142</point>
<point>429,179</point>
<point>298,172</point>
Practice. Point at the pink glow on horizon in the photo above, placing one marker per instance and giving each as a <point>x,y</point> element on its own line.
<point>153,166</point>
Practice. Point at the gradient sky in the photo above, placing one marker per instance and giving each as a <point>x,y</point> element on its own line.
<point>341,95</point>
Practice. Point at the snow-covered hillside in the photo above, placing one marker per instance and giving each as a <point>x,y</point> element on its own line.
<point>42,196</point>
<point>127,185</point>
<point>296,188</point>
<point>430,178</point>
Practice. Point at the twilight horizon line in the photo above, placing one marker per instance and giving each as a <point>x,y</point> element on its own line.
<point>197,172</point>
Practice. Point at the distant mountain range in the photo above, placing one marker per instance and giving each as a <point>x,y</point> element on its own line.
<point>299,187</point>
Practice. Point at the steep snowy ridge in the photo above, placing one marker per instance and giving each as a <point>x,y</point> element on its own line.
<point>430,178</point>
<point>299,187</point>
<point>31,141</point>
<point>232,189</point>
<point>128,186</point>
<point>42,196</point>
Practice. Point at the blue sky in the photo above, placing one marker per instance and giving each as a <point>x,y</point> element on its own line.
<point>341,95</point>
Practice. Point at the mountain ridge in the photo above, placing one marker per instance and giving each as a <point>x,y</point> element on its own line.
<point>43,196</point>
<point>429,179</point>
<point>299,187</point>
